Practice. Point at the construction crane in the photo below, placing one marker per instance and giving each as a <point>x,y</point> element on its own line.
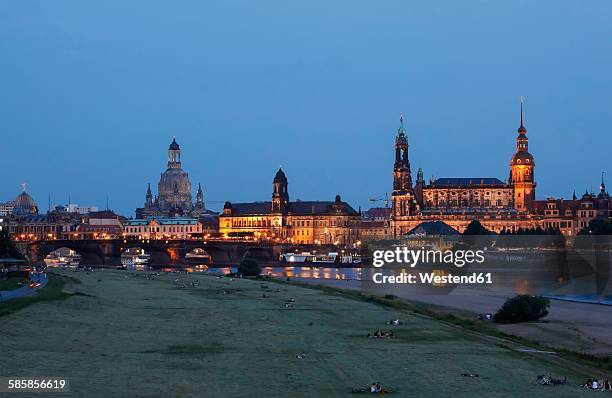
<point>386,200</point>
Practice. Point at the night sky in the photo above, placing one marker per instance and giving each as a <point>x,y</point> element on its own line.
<point>92,93</point>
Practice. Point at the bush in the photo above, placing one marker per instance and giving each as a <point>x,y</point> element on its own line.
<point>522,308</point>
<point>249,267</point>
<point>476,228</point>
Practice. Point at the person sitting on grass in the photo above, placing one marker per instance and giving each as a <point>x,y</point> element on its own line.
<point>381,334</point>
<point>377,388</point>
<point>607,386</point>
<point>588,384</point>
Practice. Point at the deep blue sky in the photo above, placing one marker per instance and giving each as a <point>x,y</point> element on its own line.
<point>91,94</point>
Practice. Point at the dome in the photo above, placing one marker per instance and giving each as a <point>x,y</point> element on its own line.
<point>174,146</point>
<point>174,190</point>
<point>522,158</point>
<point>280,176</point>
<point>24,204</point>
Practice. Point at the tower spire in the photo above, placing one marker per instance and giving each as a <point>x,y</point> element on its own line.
<point>522,112</point>
<point>401,130</point>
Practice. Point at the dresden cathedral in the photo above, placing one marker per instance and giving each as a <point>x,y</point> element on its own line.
<point>173,192</point>
<point>499,205</point>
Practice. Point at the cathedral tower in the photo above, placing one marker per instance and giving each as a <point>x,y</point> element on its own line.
<point>522,168</point>
<point>149,198</point>
<point>199,205</point>
<point>403,195</point>
<point>280,194</point>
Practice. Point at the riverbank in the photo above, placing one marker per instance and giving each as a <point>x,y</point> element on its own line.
<point>129,334</point>
<point>49,287</point>
<point>571,325</point>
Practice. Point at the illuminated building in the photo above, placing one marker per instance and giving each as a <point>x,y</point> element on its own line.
<point>173,192</point>
<point>7,208</point>
<point>24,203</point>
<point>162,228</point>
<point>498,205</point>
<point>301,222</point>
<point>375,224</point>
<point>98,225</point>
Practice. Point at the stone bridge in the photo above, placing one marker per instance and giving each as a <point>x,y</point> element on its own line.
<point>171,253</point>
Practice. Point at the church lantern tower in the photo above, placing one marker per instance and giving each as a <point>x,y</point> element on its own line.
<point>403,195</point>
<point>174,155</point>
<point>522,168</point>
<point>280,194</point>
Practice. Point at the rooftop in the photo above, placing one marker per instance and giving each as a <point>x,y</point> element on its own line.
<point>465,181</point>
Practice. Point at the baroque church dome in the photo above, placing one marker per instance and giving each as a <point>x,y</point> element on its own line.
<point>174,188</point>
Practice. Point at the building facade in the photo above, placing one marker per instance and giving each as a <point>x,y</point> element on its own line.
<point>162,228</point>
<point>499,205</point>
<point>300,222</point>
<point>375,224</point>
<point>7,208</point>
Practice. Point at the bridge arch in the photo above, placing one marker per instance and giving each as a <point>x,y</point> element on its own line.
<point>198,256</point>
<point>88,256</point>
<point>218,255</point>
<point>135,258</point>
<point>62,257</point>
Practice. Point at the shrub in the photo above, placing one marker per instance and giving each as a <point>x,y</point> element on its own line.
<point>476,228</point>
<point>522,308</point>
<point>249,267</point>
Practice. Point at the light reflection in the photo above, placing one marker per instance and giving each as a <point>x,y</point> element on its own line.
<point>300,272</point>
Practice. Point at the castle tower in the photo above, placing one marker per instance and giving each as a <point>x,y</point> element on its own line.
<point>402,197</point>
<point>522,168</point>
<point>603,194</point>
<point>280,194</point>
<point>418,187</point>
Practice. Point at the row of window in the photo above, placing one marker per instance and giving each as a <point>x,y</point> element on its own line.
<point>189,228</point>
<point>268,223</point>
<point>466,203</point>
<point>464,193</point>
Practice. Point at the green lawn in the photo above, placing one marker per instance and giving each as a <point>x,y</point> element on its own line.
<point>11,283</point>
<point>135,337</point>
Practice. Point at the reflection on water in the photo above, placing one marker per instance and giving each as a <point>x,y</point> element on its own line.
<point>299,272</point>
<point>63,257</point>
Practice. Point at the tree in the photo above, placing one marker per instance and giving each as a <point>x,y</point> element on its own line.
<point>522,308</point>
<point>249,267</point>
<point>476,228</point>
<point>6,246</point>
<point>598,227</point>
